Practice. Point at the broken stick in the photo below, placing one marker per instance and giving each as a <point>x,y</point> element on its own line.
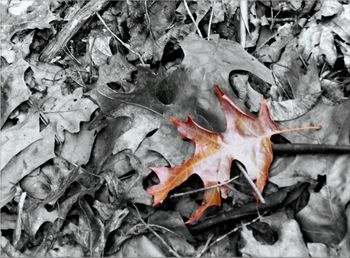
<point>71,28</point>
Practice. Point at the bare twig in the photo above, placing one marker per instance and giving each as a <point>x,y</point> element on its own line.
<point>211,19</point>
<point>192,18</point>
<point>119,40</point>
<point>243,5</point>
<point>171,250</point>
<point>18,231</point>
<point>71,28</point>
<point>202,189</point>
<point>205,248</point>
<point>236,229</point>
<point>250,181</point>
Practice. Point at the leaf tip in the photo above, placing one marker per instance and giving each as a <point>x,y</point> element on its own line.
<point>218,91</point>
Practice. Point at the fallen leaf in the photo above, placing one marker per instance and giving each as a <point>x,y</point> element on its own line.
<point>16,138</point>
<point>210,62</point>
<point>306,90</point>
<point>25,15</point>
<point>176,152</point>
<point>44,75</point>
<point>25,162</point>
<point>345,49</point>
<point>65,250</point>
<point>78,146</point>
<point>13,88</point>
<point>322,220</point>
<point>317,40</point>
<point>318,250</point>
<point>289,170</point>
<point>33,219</point>
<point>215,152</point>
<point>329,8</point>
<point>142,122</point>
<point>272,53</point>
<point>99,48</point>
<point>290,241</point>
<point>139,246</point>
<point>65,112</point>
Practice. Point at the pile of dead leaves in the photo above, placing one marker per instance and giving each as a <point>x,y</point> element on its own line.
<point>88,90</point>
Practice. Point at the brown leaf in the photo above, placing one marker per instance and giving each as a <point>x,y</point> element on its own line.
<point>246,139</point>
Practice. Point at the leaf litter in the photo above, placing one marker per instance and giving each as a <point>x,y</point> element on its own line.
<point>86,109</point>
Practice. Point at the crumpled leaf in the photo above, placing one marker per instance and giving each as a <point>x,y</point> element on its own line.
<point>272,53</point>
<point>25,162</point>
<point>322,220</point>
<point>215,152</point>
<point>65,112</point>
<point>306,90</point>
<point>290,241</point>
<point>92,233</point>
<point>319,41</point>
<point>99,48</point>
<point>16,49</point>
<point>318,38</point>
<point>13,88</point>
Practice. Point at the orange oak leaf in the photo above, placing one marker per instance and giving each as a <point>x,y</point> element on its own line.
<point>246,139</point>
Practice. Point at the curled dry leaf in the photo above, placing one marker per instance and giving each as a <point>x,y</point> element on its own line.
<point>246,139</point>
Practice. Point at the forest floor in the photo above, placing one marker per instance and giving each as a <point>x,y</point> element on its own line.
<point>150,128</point>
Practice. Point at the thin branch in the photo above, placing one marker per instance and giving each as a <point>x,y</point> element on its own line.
<point>203,189</point>
<point>250,181</point>
<point>205,248</point>
<point>211,18</point>
<point>171,250</point>
<point>236,229</point>
<point>120,41</point>
<point>18,230</point>
<point>304,148</point>
<point>192,18</point>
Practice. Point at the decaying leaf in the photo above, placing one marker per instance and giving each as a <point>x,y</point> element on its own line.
<point>16,138</point>
<point>25,162</point>
<point>78,146</point>
<point>209,63</point>
<point>65,112</point>
<point>289,170</point>
<point>290,240</point>
<point>13,88</point>
<point>246,139</point>
<point>323,219</point>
